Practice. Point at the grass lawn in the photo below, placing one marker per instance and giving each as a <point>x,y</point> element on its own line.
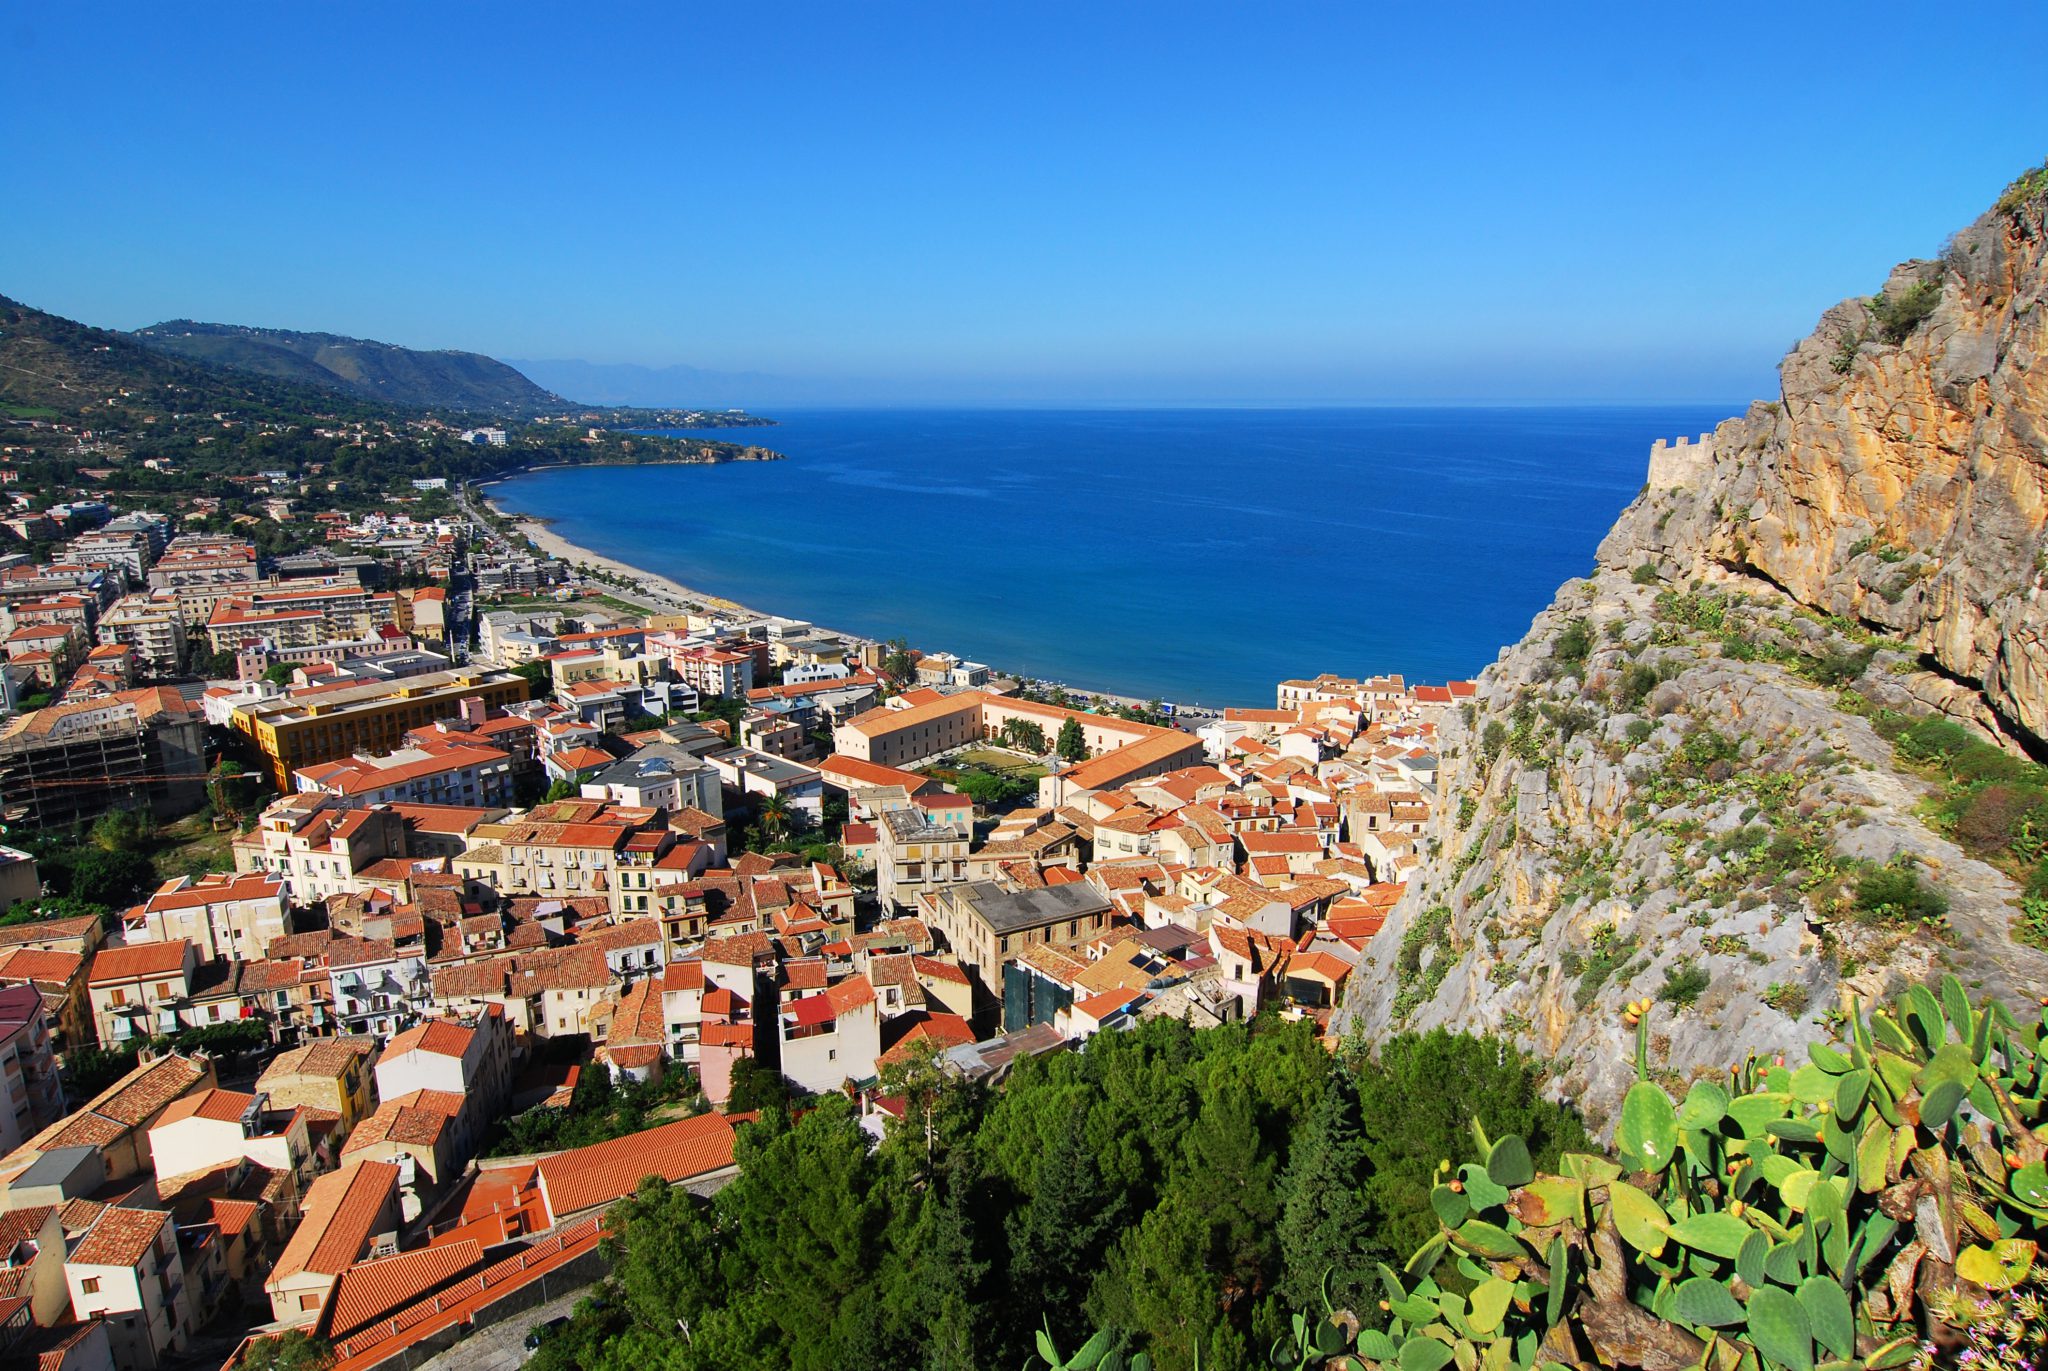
<point>1004,763</point>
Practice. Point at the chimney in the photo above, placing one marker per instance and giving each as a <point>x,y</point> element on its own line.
<point>473,710</point>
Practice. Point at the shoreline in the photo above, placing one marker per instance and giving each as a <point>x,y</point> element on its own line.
<point>537,531</point>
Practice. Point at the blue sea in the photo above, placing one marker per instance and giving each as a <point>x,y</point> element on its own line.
<point>1193,555</point>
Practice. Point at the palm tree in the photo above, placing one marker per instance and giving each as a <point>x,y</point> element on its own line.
<point>775,815</point>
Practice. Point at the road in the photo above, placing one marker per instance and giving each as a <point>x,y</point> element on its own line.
<point>502,1346</point>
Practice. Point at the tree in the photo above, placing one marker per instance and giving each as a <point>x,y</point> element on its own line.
<point>1191,1272</point>
<point>1072,744</point>
<point>1026,736</point>
<point>775,815</point>
<point>295,1350</point>
<point>539,678</point>
<point>756,1088</point>
<point>110,878</point>
<point>1416,1106</point>
<point>279,673</point>
<point>562,789</point>
<point>1059,1236</point>
<point>1325,1226</point>
<point>898,663</point>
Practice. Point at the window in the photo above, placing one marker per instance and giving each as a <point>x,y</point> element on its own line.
<point>90,1285</point>
<point>163,990</point>
<point>309,1302</point>
<point>117,996</point>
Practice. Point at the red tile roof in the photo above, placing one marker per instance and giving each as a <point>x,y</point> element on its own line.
<point>369,1290</point>
<point>340,1215</point>
<point>587,1177</point>
<point>221,1106</point>
<point>437,1036</point>
<point>121,1237</point>
<point>137,961</point>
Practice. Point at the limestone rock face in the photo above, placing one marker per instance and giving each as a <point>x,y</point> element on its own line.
<point>1904,486</point>
<point>1659,792</point>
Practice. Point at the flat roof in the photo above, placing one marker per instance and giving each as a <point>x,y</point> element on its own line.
<point>1008,911</point>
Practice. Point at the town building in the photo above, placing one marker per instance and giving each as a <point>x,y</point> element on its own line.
<point>227,918</point>
<point>72,762</point>
<point>307,727</point>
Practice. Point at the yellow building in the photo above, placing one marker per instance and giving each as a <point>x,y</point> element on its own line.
<point>332,1074</point>
<point>304,729</point>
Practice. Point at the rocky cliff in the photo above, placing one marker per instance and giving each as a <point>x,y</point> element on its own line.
<point>1683,784</point>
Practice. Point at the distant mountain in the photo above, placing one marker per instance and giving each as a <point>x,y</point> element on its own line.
<point>444,380</point>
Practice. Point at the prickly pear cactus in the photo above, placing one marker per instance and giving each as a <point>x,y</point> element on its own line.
<point>1823,1216</point>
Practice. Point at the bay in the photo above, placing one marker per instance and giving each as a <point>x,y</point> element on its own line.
<point>1193,555</point>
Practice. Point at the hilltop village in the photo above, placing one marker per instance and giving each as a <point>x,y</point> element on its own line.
<point>478,889</point>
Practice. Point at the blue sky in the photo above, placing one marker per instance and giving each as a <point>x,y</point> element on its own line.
<point>1033,202</point>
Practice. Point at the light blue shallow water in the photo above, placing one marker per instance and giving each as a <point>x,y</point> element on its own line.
<point>1198,555</point>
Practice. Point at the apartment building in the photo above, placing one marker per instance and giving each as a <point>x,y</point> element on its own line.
<point>917,851</point>
<point>127,1269</point>
<point>985,924</point>
<point>563,850</point>
<point>72,762</point>
<point>141,991</point>
<point>471,1061</point>
<point>150,626</point>
<point>317,725</point>
<point>298,615</point>
<point>346,1215</point>
<point>322,845</point>
<point>31,1096</point>
<point>440,772</point>
<point>227,918</point>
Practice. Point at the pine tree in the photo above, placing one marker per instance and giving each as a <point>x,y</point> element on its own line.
<point>1058,1236</point>
<point>1072,744</point>
<point>1325,1225</point>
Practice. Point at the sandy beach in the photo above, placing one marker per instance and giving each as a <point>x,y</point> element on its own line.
<point>660,591</point>
<point>665,594</point>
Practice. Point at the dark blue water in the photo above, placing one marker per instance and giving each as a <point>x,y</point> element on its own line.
<point>1197,555</point>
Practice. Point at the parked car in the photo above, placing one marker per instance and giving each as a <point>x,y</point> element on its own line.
<point>542,1332</point>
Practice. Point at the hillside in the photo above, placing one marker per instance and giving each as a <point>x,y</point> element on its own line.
<point>407,377</point>
<point>89,410</point>
<point>50,363</point>
<point>1707,776</point>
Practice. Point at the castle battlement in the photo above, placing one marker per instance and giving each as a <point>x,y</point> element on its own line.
<point>1680,462</point>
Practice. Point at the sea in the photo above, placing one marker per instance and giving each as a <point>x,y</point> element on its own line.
<point>1194,556</point>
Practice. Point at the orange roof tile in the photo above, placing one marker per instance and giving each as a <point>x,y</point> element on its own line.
<point>587,1177</point>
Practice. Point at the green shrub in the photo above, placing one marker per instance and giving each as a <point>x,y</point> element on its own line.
<point>1636,684</point>
<point>2030,184</point>
<point>1574,644</point>
<point>1684,982</point>
<point>1645,575</point>
<point>1896,893</point>
<point>1898,317</point>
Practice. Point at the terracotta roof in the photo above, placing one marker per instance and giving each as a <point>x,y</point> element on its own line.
<point>369,1290</point>
<point>120,1237</point>
<point>340,1215</point>
<point>138,961</point>
<point>133,1100</point>
<point>437,1036</point>
<point>591,1176</point>
<point>39,964</point>
<point>328,1059</point>
<point>221,1106</point>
